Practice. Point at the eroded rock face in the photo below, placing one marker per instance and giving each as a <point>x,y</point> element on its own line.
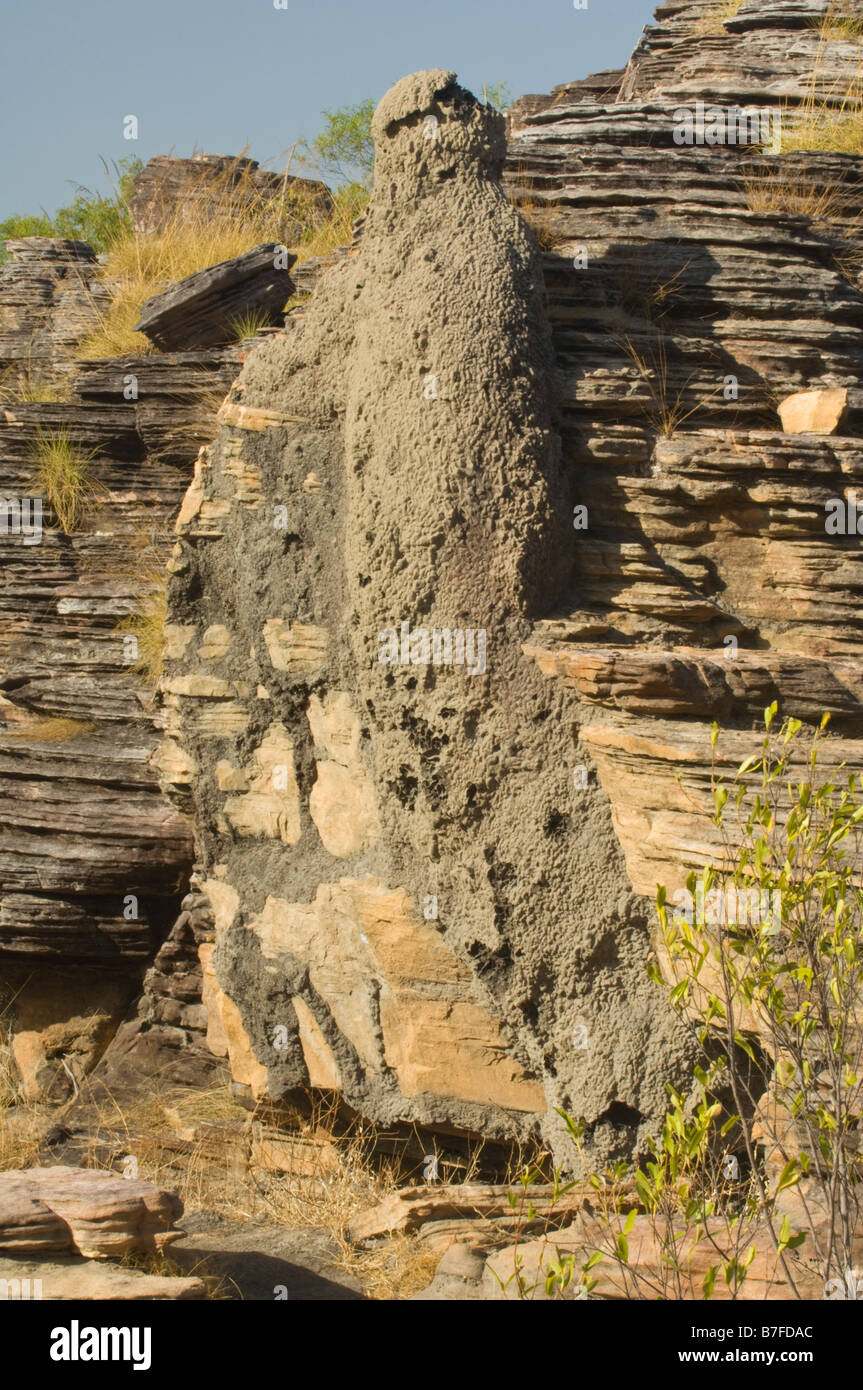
<point>411,906</point>
<point>90,1212</point>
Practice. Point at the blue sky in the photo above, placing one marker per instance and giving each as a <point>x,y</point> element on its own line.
<point>219,74</point>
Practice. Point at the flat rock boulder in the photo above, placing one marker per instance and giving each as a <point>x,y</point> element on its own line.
<point>814,412</point>
<point>203,309</point>
<point>68,1277</point>
<point>86,1211</point>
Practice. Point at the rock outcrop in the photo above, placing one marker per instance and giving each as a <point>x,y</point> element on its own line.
<point>485,542</point>
<point>96,1214</point>
<point>207,187</point>
<point>203,310</point>
<point>50,298</point>
<point>701,321</point>
<point>93,861</point>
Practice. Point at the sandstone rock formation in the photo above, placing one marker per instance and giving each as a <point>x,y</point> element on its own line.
<point>93,861</point>
<point>66,1279</point>
<point>706,583</point>
<point>485,542</point>
<point>50,298</point>
<point>212,186</point>
<point>202,310</point>
<point>92,1213</point>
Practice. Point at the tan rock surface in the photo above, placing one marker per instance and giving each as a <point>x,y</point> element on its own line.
<point>72,1279</point>
<point>99,1214</point>
<point>814,412</point>
<point>226,1036</point>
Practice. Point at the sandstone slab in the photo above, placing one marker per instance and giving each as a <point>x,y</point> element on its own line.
<point>201,310</point>
<point>95,1213</point>
<point>71,1279</point>
<point>814,412</point>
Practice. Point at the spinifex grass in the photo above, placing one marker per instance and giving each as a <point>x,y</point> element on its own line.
<point>249,325</point>
<point>840,22</point>
<point>230,216</point>
<point>64,477</point>
<point>713,20</point>
<point>27,386</point>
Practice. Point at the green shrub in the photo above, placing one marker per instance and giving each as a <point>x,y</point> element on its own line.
<point>98,219</point>
<point>762,957</point>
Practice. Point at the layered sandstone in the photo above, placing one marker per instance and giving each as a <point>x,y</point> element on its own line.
<point>483,545</point>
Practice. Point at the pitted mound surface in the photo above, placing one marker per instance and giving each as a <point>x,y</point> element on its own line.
<point>413,906</point>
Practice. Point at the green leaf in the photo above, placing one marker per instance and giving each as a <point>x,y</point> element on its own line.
<point>789,1176</point>
<point>744,1046</point>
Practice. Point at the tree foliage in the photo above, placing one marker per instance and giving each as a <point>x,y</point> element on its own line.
<point>97,218</point>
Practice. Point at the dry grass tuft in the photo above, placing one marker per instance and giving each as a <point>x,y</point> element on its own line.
<point>230,218</point>
<point>780,190</point>
<point>25,386</point>
<point>830,118</point>
<point>833,206</point>
<point>22,1126</point>
<point>64,477</point>
<point>145,558</point>
<point>840,22</point>
<point>534,209</point>
<point>22,1123</point>
<point>713,20</point>
<point>667,410</point>
<point>209,1149</point>
<point>50,729</point>
<point>349,204</point>
<point>160,1263</point>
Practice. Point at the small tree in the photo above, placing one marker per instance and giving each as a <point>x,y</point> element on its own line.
<point>763,959</point>
<point>498,95</point>
<point>344,150</point>
<point>768,947</point>
<point>96,218</point>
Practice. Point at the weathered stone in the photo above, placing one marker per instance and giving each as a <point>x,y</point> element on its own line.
<point>203,310</point>
<point>69,1279</point>
<point>207,187</point>
<point>299,649</point>
<point>226,1036</point>
<point>98,1214</point>
<point>51,297</point>
<point>411,1208</point>
<point>814,412</point>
